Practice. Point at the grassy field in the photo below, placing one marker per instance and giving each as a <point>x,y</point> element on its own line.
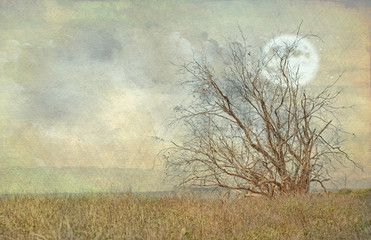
<point>344,215</point>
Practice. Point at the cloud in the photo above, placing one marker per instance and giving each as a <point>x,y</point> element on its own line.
<point>180,47</point>
<point>76,75</point>
<point>201,47</point>
<point>93,87</point>
<point>103,46</point>
<point>59,101</point>
<point>97,44</point>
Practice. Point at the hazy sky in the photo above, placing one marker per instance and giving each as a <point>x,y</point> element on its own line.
<point>89,83</point>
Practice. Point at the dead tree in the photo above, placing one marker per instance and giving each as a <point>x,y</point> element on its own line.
<point>254,131</point>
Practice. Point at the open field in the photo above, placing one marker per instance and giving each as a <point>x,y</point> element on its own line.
<point>344,215</point>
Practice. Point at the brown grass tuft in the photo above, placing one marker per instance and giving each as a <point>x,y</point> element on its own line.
<point>129,216</point>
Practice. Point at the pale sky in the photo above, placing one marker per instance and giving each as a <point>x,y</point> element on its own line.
<point>90,83</point>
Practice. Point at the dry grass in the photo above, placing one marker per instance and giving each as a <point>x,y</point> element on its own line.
<point>128,216</point>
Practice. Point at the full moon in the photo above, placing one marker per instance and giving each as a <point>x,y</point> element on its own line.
<point>305,57</point>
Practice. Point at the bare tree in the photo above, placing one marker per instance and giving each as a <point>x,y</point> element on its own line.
<point>255,130</point>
